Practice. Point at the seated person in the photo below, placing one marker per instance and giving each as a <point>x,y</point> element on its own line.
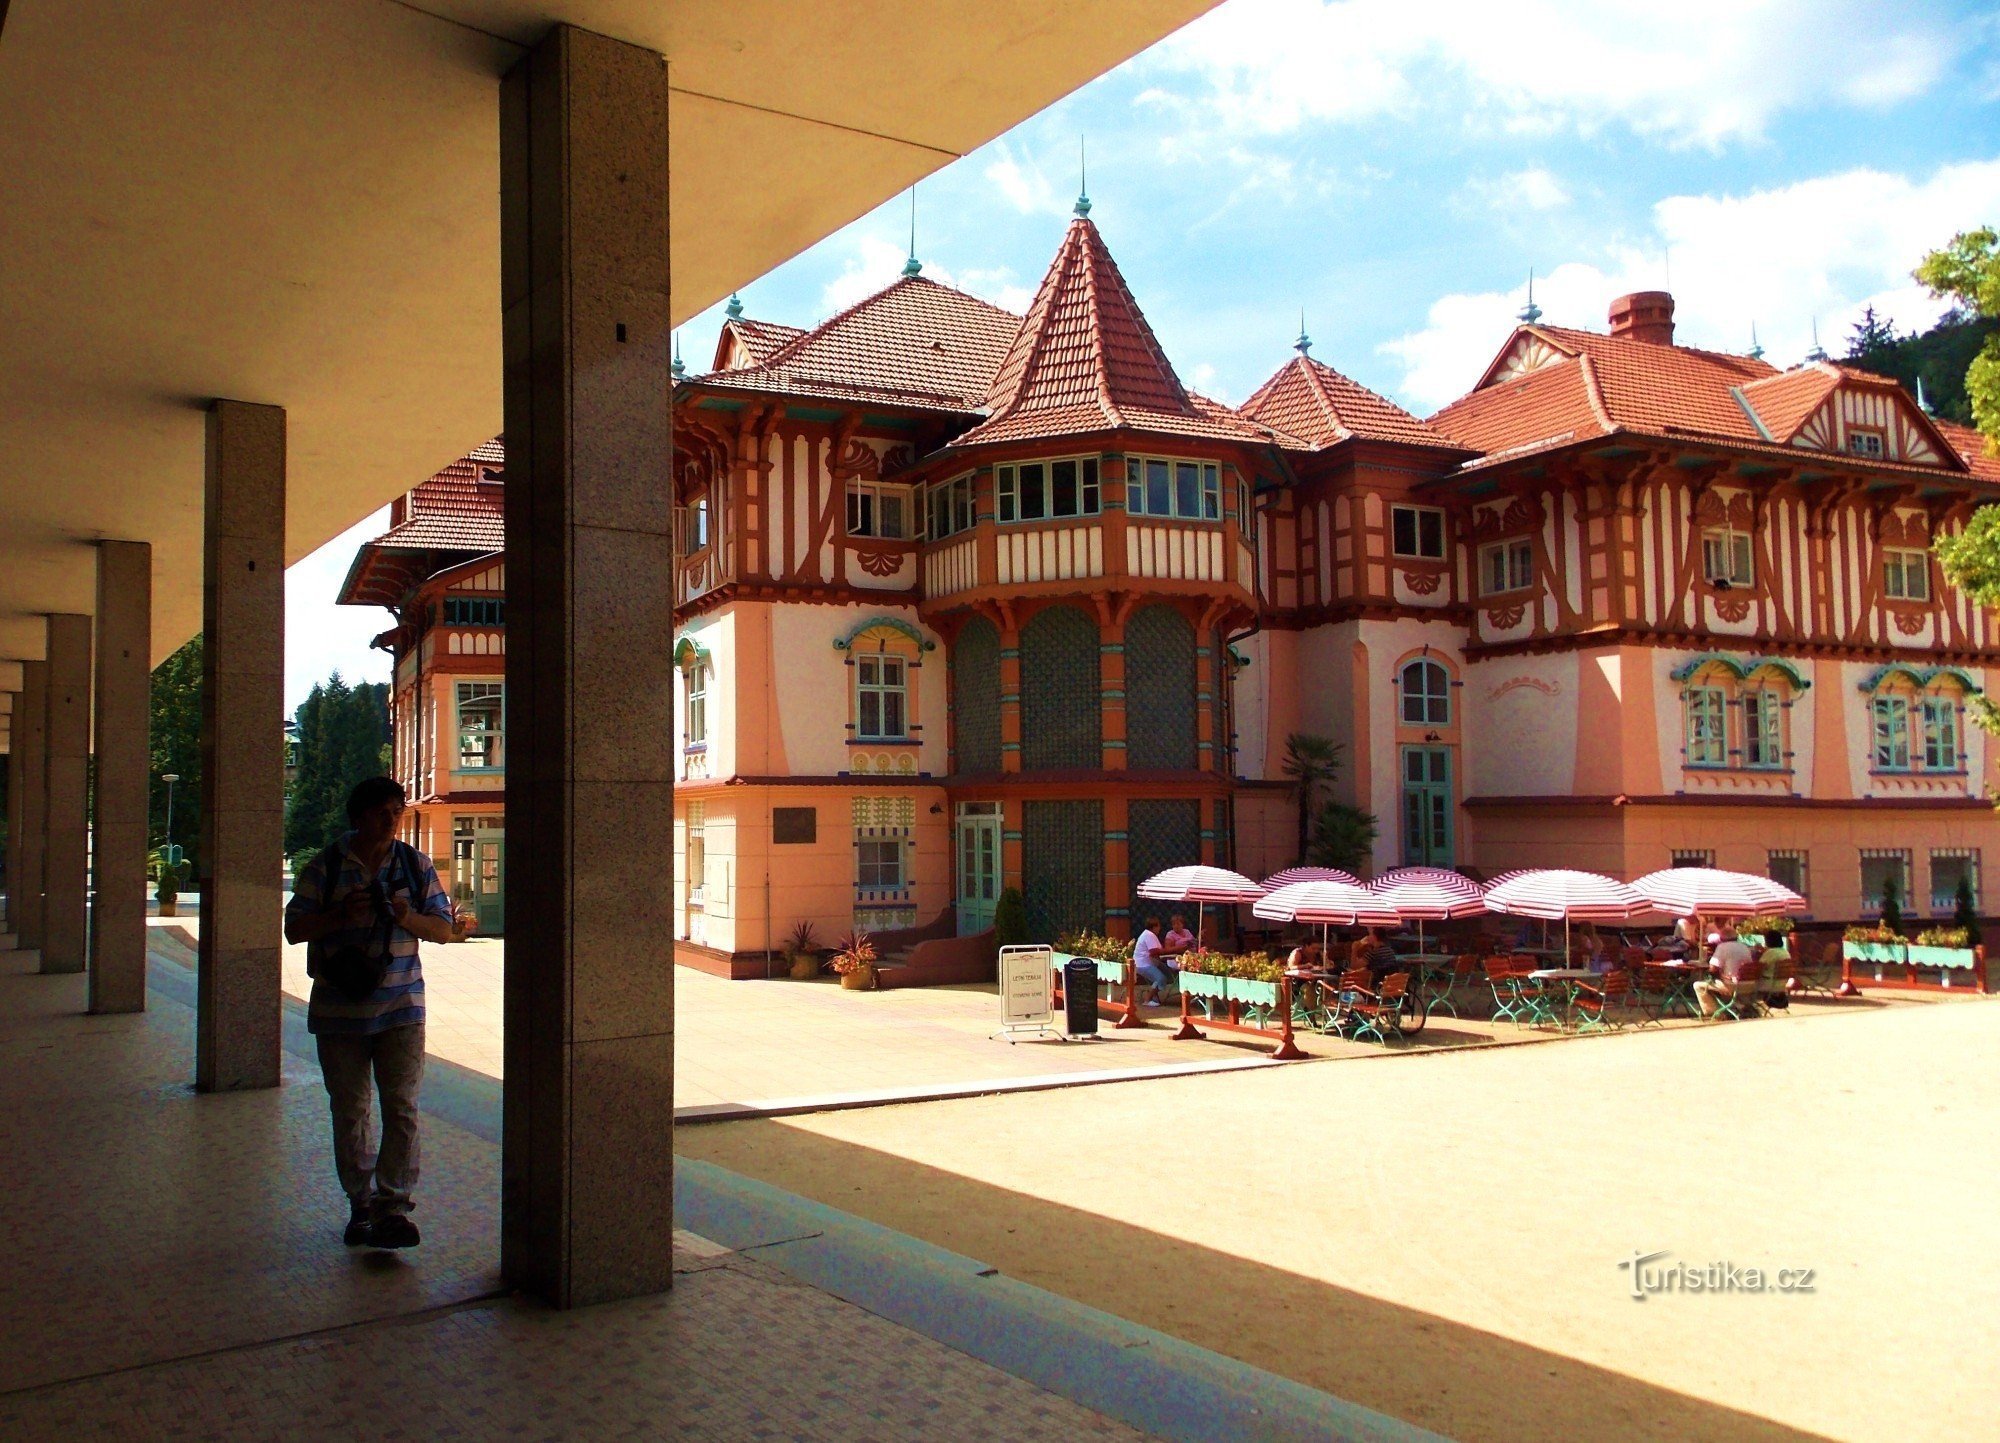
<point>1728,961</point>
<point>1374,954</point>
<point>1686,941</point>
<point>1178,940</point>
<point>1587,949</point>
<point>1305,957</point>
<point>1146,963</point>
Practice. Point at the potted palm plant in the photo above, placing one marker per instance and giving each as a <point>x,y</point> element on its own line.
<point>802,952</point>
<point>855,962</point>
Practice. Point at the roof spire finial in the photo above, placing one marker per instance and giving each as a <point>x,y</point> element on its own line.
<point>1304,344</point>
<point>1818,352</point>
<point>680,367</point>
<point>1082,179</point>
<point>1756,351</point>
<point>913,266</point>
<point>734,310</point>
<point>1531,312</point>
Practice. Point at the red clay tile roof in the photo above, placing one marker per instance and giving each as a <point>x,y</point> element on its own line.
<point>916,343</point>
<point>759,339</point>
<point>1973,448</point>
<point>1315,403</point>
<point>1085,360</point>
<point>455,515</point>
<point>1550,406</point>
<point>1784,401</point>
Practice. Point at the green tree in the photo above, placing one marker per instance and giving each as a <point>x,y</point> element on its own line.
<point>1010,919</point>
<point>1873,341</point>
<point>176,749</point>
<point>1892,903</point>
<point>1968,272</point>
<point>1342,837</point>
<point>1965,911</point>
<point>342,731</point>
<point>1310,763</point>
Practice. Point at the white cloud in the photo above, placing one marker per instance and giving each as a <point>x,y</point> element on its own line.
<point>1781,259</point>
<point>1022,184</point>
<point>1695,72</point>
<point>1533,189</point>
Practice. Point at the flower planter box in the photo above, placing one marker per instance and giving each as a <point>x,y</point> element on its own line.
<point>1240,990</point>
<point>1959,958</point>
<point>1874,953</point>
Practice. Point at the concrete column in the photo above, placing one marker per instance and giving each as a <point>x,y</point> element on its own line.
<point>31,730</point>
<point>587,1154</point>
<point>66,848</point>
<point>242,749</point>
<point>12,701</point>
<point>124,758</point>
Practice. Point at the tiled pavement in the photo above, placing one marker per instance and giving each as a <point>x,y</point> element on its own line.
<point>175,1271</point>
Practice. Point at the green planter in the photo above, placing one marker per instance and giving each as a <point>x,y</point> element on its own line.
<point>1229,989</point>
<point>1960,958</point>
<point>1874,953</point>
<point>1107,972</point>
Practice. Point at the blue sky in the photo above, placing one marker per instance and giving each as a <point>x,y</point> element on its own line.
<point>1395,167</point>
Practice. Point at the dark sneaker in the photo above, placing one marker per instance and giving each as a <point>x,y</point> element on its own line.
<point>359,1231</point>
<point>394,1231</point>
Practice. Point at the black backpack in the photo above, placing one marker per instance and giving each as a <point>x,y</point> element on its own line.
<point>355,969</point>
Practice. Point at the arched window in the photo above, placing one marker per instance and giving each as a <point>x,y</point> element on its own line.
<point>1916,718</point>
<point>1426,688</point>
<point>1061,694</point>
<point>1159,689</point>
<point>975,698</point>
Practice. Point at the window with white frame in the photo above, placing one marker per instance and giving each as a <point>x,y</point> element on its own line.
<point>1891,726</point>
<point>1763,729</point>
<point>953,507</point>
<point>1506,566</point>
<point>883,829</point>
<point>880,863</point>
<point>1707,727</point>
<point>1906,575</point>
<point>1788,869</point>
<point>1417,531</point>
<point>696,853</point>
<point>482,726</point>
<point>1190,490</point>
<point>697,702</point>
<point>1426,688</point>
<point>1725,558</point>
<point>1861,442</point>
<point>1691,857</point>
<point>1950,868</point>
<point>879,510</point>
<point>1047,490</point>
<point>1244,519</point>
<point>1880,866</point>
<point>881,711</point>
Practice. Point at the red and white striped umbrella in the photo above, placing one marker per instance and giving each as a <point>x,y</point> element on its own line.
<point>1713,892</point>
<point>1558,894</point>
<point>1328,904</point>
<point>1200,884</point>
<point>1293,875</point>
<point>1440,877</point>
<point>1422,901</point>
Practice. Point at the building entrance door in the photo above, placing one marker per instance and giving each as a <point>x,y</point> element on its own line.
<point>978,865</point>
<point>489,896</point>
<point>1427,806</point>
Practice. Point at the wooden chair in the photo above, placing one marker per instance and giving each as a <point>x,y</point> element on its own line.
<point>1597,1007</point>
<point>1743,1003</point>
<point>1380,1012</point>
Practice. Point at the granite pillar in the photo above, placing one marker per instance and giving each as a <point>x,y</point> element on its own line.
<point>242,749</point>
<point>124,759</point>
<point>587,1150</point>
<point>66,788</point>
<point>30,740</point>
<point>13,703</point>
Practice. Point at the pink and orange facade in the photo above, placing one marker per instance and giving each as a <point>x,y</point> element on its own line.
<point>968,601</point>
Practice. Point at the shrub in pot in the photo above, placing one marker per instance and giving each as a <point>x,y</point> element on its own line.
<point>855,962</point>
<point>802,952</point>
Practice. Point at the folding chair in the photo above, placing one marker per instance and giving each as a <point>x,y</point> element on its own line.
<point>1505,976</point>
<point>1594,1007</point>
<point>1379,1012</point>
<point>1743,1003</point>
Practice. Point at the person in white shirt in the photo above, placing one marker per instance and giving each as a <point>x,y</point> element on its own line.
<point>1728,960</point>
<point>1146,961</point>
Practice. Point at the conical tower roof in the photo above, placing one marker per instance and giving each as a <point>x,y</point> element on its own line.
<point>1085,361</point>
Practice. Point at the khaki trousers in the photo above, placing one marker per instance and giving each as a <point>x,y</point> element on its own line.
<point>392,1064</point>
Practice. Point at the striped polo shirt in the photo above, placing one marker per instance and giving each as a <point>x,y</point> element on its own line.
<point>399,1001</point>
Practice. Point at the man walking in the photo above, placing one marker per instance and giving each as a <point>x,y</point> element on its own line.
<point>361,905</point>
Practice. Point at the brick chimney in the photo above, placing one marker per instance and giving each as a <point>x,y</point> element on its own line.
<point>1644,316</point>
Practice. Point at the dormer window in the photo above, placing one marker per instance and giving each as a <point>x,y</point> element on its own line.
<point>1725,559</point>
<point>1906,575</point>
<point>1866,443</point>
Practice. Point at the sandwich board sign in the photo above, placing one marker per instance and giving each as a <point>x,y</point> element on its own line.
<point>1024,989</point>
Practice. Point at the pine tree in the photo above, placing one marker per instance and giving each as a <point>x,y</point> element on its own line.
<point>1873,339</point>
<point>1892,903</point>
<point>1965,910</point>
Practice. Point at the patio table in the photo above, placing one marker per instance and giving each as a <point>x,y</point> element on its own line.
<point>1681,993</point>
<point>1566,978</point>
<point>1433,969</point>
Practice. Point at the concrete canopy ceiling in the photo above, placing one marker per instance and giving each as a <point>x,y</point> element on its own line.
<point>296,202</point>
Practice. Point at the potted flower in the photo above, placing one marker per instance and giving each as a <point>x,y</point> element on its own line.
<point>1877,945</point>
<point>1945,948</point>
<point>1758,931</point>
<point>1249,980</point>
<point>802,952</point>
<point>167,891</point>
<point>855,962</point>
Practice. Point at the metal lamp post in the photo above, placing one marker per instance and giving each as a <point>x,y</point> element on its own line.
<point>170,778</point>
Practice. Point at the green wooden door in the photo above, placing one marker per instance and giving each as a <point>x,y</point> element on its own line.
<point>1427,806</point>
